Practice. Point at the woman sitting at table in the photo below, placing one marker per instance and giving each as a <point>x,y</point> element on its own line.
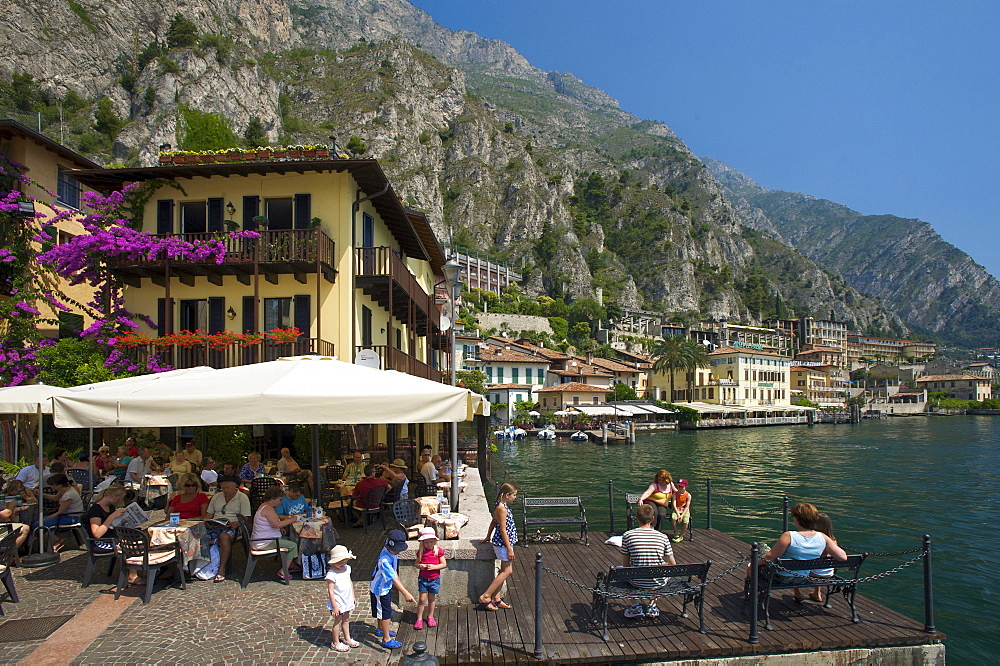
<point>253,468</point>
<point>179,464</point>
<point>189,501</point>
<point>267,526</point>
<point>10,510</point>
<point>70,506</point>
<point>99,518</point>
<point>104,462</point>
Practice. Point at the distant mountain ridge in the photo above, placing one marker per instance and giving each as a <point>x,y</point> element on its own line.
<point>934,286</point>
<point>534,167</point>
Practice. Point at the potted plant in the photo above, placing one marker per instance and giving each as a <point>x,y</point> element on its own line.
<point>294,152</point>
<point>280,153</point>
<point>308,151</point>
<point>260,221</point>
<point>264,153</point>
<point>322,151</point>
<point>206,157</point>
<point>166,159</point>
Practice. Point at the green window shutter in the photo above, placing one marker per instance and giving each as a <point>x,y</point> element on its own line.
<point>165,216</point>
<point>303,210</point>
<point>251,209</point>
<point>215,215</point>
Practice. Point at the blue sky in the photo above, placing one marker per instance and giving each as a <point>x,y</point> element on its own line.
<point>886,107</point>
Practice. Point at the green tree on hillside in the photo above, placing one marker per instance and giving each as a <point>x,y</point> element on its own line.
<point>356,146</point>
<point>106,121</point>
<point>255,135</point>
<point>205,131</point>
<point>181,32</point>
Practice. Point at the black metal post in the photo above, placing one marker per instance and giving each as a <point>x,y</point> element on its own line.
<point>928,588</point>
<point>539,650</point>
<point>754,603</point>
<point>784,513</point>
<point>708,504</point>
<point>611,505</point>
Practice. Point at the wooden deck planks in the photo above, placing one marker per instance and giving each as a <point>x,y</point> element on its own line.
<point>469,634</point>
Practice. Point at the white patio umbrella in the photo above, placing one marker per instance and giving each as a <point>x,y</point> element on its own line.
<point>301,389</point>
<point>37,399</point>
<point>33,399</point>
<point>533,413</point>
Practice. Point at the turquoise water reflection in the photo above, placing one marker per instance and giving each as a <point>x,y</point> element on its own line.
<point>884,483</point>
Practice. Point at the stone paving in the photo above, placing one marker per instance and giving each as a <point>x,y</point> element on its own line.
<point>209,623</point>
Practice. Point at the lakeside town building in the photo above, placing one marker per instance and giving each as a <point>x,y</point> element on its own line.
<point>865,349</point>
<point>958,386</point>
<point>50,167</point>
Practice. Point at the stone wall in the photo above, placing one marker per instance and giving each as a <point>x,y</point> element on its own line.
<point>514,322</point>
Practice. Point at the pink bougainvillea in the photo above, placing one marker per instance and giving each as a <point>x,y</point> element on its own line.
<point>84,259</point>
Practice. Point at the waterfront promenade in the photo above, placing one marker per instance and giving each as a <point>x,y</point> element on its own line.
<point>271,623</point>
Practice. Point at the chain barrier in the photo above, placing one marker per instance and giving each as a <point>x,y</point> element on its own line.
<point>858,581</point>
<point>650,594</point>
<point>756,514</point>
<point>896,554</point>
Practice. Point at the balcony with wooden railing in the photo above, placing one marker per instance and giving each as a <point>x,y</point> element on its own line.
<point>299,252</point>
<point>395,359</point>
<point>232,355</point>
<point>383,276</point>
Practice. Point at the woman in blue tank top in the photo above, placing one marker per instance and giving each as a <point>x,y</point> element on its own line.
<point>805,543</point>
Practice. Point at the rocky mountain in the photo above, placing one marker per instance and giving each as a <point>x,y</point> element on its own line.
<point>532,167</point>
<point>931,284</point>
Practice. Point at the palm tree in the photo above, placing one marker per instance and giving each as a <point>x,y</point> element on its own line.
<point>669,353</point>
<point>695,357</point>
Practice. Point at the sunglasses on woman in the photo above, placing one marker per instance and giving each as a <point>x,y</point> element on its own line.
<point>190,485</point>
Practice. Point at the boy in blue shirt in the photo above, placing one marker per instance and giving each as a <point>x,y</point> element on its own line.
<point>384,578</point>
<point>294,502</point>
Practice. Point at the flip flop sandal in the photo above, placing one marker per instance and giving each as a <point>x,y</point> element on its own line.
<point>503,604</point>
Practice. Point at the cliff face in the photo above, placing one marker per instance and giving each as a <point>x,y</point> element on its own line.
<point>534,167</point>
<point>931,284</point>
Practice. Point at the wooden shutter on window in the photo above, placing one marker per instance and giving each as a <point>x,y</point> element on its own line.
<point>248,315</point>
<point>303,210</point>
<point>216,314</point>
<point>161,316</point>
<point>251,209</point>
<point>302,314</point>
<point>165,216</point>
<point>214,214</point>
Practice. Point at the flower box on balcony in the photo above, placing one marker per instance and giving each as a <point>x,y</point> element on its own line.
<point>322,152</point>
<point>166,159</point>
<point>206,158</point>
<point>280,154</point>
<point>308,153</point>
<point>189,159</point>
<point>264,154</point>
<point>294,154</point>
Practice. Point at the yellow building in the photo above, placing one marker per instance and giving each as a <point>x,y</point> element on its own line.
<point>734,376</point>
<point>50,166</point>
<point>959,386</point>
<point>338,257</point>
<point>820,384</point>
<point>886,350</point>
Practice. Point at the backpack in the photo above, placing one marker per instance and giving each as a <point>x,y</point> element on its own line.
<point>313,567</point>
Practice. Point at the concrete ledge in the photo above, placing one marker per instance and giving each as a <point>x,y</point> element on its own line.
<point>907,655</point>
<point>471,562</point>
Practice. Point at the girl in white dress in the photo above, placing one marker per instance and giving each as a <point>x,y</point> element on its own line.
<point>341,592</point>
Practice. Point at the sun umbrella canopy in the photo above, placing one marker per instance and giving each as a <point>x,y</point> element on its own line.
<point>26,399</point>
<point>303,389</point>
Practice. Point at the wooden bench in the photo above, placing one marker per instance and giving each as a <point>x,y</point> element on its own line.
<point>616,584</point>
<point>579,517</point>
<point>769,581</point>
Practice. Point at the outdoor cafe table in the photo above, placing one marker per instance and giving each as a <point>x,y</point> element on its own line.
<point>153,486</point>
<point>346,492</point>
<point>446,486</point>
<point>447,527</point>
<point>314,536</point>
<point>187,535</point>
<point>428,505</point>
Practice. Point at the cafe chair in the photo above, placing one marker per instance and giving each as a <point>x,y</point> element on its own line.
<point>258,487</point>
<point>254,554</point>
<point>407,515</point>
<point>95,553</point>
<point>134,551</point>
<point>335,472</point>
<point>7,549</point>
<point>425,490</point>
<point>5,529</point>
<point>85,478</point>
<point>373,502</point>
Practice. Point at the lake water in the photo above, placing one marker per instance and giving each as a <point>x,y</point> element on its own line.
<point>884,483</point>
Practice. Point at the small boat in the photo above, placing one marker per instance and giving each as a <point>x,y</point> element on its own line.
<point>579,436</point>
<point>546,433</point>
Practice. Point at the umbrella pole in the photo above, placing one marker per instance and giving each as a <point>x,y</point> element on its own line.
<point>17,437</point>
<point>317,496</point>
<point>41,558</point>
<point>454,466</point>
<point>90,459</point>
